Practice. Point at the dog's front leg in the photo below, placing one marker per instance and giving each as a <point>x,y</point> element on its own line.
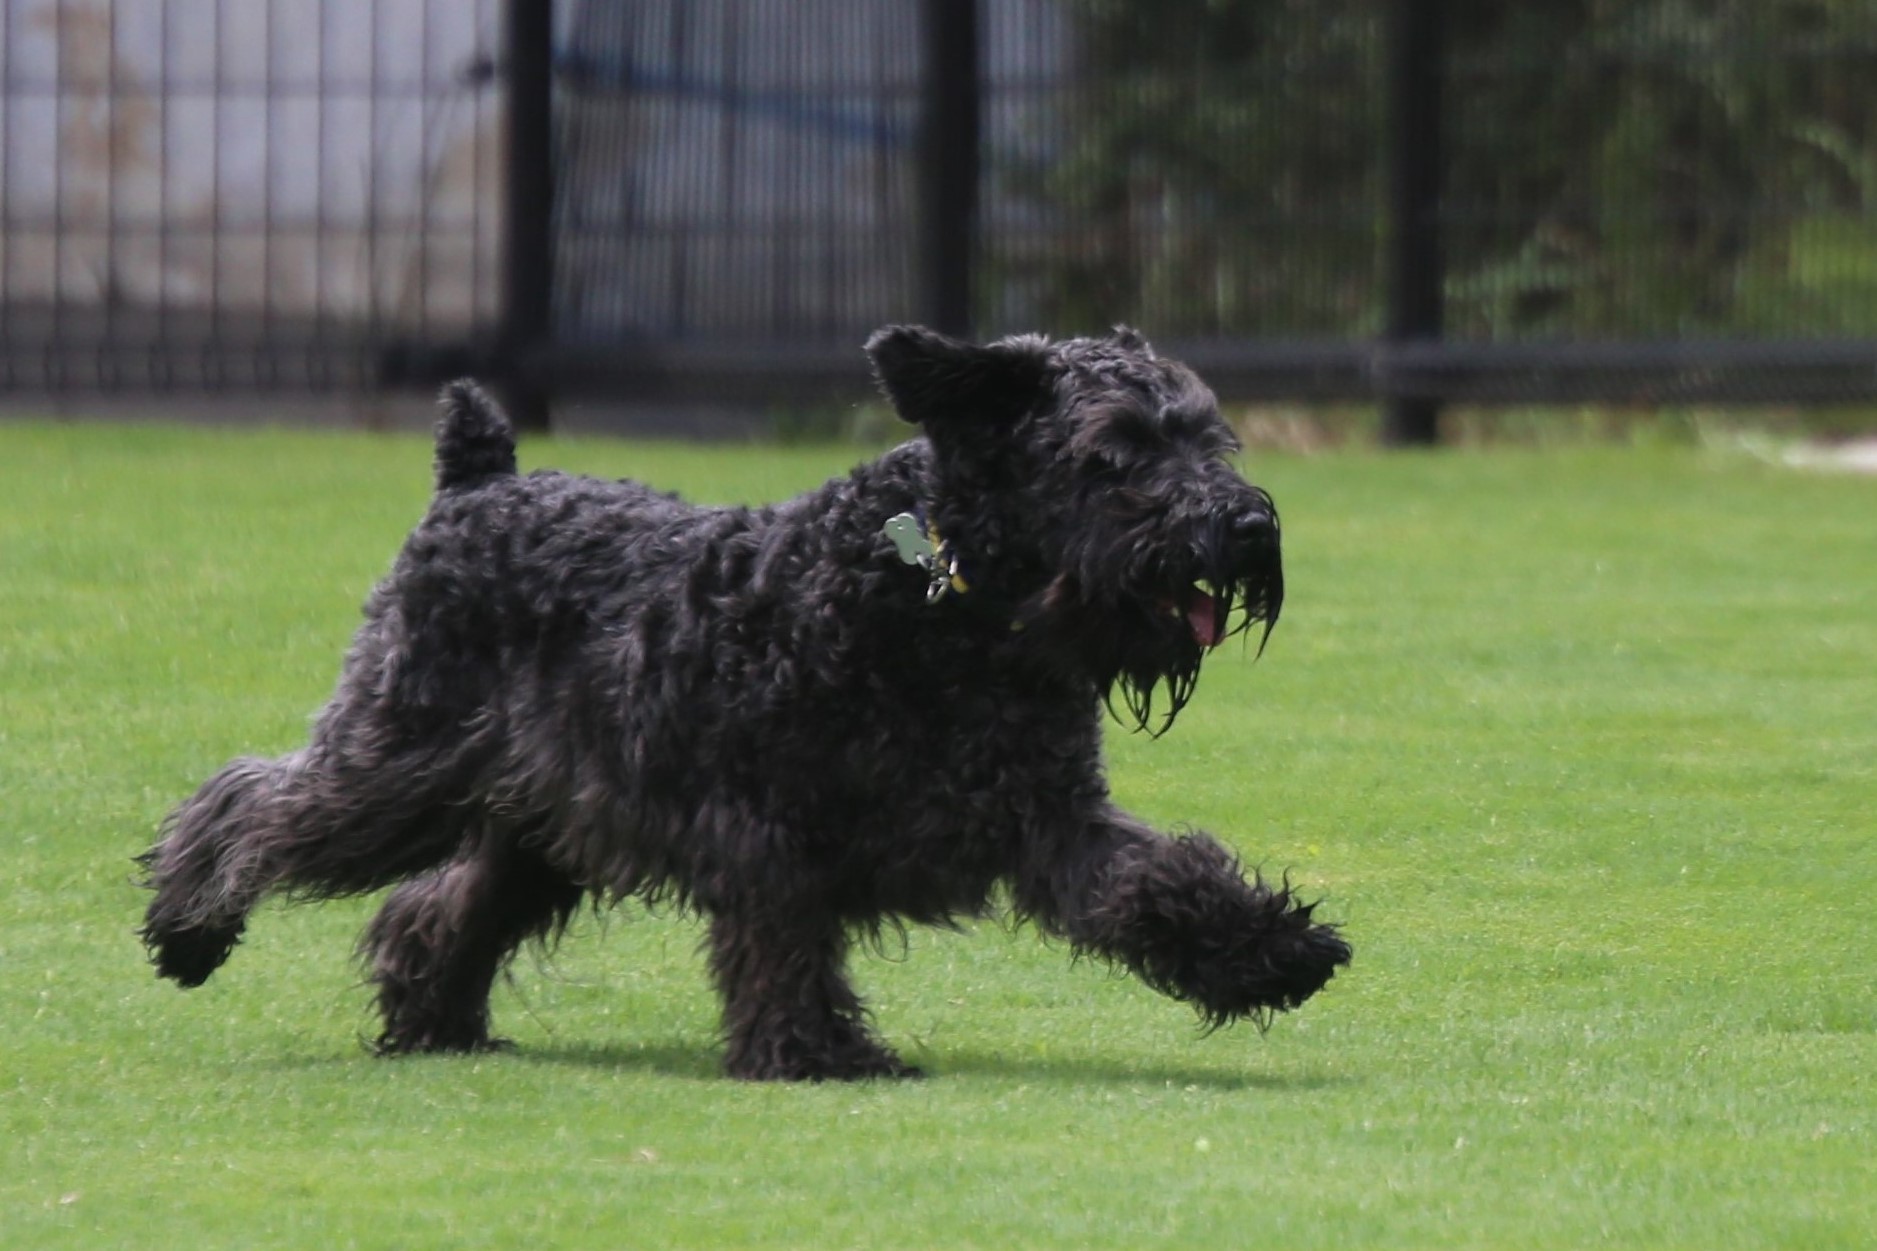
<point>788,1011</point>
<point>1179,913</point>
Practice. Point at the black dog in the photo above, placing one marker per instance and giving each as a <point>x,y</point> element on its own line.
<point>872,704</point>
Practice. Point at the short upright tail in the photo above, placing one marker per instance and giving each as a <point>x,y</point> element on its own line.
<point>474,439</point>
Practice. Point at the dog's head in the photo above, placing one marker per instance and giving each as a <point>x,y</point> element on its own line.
<point>1089,482</point>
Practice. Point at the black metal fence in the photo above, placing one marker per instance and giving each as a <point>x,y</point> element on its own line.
<point>1405,200</point>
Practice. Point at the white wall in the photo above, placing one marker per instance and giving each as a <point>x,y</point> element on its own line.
<point>287,156</point>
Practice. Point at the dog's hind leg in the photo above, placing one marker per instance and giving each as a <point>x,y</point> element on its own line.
<point>788,1011</point>
<point>1180,915</point>
<point>435,948</point>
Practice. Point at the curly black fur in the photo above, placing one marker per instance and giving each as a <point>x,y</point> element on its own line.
<point>568,688</point>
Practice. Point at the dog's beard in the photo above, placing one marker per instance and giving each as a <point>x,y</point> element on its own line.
<point>1160,668</point>
<point>1145,649</point>
<point>1137,605</point>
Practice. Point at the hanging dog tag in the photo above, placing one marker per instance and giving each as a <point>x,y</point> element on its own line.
<point>910,539</point>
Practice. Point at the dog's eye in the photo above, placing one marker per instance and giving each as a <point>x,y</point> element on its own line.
<point>1130,504</point>
<point>1205,430</point>
<point>1106,464</point>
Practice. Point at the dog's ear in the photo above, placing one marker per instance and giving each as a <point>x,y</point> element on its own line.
<point>933,378</point>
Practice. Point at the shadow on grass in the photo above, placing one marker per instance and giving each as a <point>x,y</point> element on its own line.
<point>696,1059</point>
<point>1086,1069</point>
<point>703,1061</point>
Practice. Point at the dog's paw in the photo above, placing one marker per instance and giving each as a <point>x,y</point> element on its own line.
<point>188,955</point>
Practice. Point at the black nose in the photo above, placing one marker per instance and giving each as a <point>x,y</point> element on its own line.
<point>1252,522</point>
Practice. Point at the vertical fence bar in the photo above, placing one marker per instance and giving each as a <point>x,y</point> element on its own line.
<point>323,96</point>
<point>9,375</point>
<point>107,362</point>
<point>270,366</point>
<point>949,140</point>
<point>527,227</point>
<point>57,375</point>
<point>375,225</point>
<point>1414,158</point>
<point>430,153</point>
<point>212,356</point>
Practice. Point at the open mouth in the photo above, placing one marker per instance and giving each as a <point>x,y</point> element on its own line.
<point>1203,616</point>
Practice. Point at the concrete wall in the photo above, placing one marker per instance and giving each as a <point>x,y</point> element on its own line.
<point>325,158</point>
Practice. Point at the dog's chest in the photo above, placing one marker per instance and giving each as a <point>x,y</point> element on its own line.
<point>986,765</point>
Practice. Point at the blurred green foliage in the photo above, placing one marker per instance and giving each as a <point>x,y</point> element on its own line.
<point>1614,168</point>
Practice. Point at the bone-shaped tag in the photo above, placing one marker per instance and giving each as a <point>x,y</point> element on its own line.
<point>910,539</point>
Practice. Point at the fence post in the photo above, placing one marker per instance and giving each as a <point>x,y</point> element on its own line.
<point>526,317</point>
<point>948,161</point>
<point>1416,270</point>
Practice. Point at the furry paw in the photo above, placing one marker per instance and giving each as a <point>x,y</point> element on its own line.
<point>187,956</point>
<point>1183,919</point>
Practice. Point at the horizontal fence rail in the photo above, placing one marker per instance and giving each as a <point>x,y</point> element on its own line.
<point>1638,374</point>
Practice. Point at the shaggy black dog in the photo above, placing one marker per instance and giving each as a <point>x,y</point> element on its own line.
<point>876,703</point>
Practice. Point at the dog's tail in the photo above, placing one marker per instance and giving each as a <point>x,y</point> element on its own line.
<point>201,871</point>
<point>474,439</point>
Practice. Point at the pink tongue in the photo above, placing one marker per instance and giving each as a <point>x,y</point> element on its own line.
<point>1203,616</point>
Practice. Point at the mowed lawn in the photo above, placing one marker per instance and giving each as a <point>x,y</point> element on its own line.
<point>1581,747</point>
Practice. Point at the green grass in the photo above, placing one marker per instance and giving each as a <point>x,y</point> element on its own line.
<point>1582,747</point>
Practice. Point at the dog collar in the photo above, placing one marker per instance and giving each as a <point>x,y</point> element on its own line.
<point>917,539</point>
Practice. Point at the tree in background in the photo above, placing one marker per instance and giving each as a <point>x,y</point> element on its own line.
<point>1616,168</point>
